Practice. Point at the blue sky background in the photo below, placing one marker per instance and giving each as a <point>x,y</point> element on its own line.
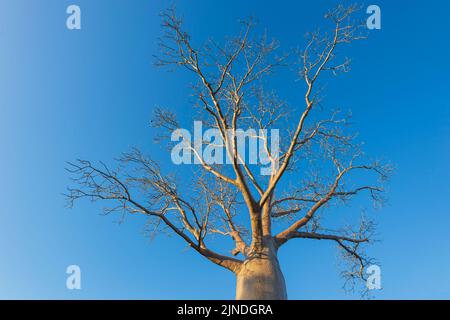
<point>90,94</point>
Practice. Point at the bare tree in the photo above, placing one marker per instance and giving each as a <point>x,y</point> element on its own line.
<point>234,200</point>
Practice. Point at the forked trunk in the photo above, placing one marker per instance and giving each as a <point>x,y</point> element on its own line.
<point>260,277</point>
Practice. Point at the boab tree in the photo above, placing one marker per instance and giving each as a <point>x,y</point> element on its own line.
<point>235,200</point>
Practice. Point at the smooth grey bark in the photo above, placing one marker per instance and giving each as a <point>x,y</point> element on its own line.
<point>260,276</point>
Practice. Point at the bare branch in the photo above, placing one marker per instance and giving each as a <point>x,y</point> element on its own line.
<point>162,199</point>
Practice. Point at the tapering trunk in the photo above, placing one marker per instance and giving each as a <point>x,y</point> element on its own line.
<point>260,277</point>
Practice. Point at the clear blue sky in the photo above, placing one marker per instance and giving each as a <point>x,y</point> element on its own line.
<point>90,94</point>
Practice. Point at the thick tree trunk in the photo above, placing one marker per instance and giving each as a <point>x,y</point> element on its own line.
<point>260,277</point>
